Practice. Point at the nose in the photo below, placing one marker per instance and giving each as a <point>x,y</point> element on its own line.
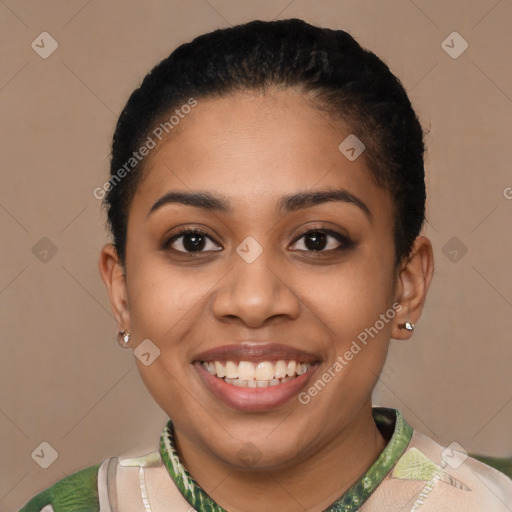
<point>253,293</point>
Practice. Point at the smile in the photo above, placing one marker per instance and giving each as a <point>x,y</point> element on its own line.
<point>246,374</point>
<point>255,376</point>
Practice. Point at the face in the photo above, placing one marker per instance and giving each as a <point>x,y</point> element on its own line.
<point>265,280</point>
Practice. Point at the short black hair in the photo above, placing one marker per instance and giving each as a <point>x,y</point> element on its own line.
<point>346,81</point>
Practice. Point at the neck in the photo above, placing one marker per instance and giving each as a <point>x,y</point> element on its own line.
<point>311,484</point>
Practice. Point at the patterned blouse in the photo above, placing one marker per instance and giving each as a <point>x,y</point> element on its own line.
<point>412,473</point>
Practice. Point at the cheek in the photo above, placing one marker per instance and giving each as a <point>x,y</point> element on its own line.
<point>165,305</point>
<point>165,301</point>
<point>352,297</point>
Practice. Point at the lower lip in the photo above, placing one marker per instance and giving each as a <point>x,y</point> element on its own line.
<point>253,399</point>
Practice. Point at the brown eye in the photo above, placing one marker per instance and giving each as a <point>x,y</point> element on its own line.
<point>317,240</point>
<point>190,241</point>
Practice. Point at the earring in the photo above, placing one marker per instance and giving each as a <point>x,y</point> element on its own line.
<point>408,326</point>
<point>123,338</point>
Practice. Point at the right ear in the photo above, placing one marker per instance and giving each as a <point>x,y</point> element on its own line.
<point>114,276</point>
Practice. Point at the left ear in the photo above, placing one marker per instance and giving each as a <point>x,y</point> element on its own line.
<point>412,286</point>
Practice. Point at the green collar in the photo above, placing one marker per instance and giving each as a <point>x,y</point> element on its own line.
<point>389,421</point>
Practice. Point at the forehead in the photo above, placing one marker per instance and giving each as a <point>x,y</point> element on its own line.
<point>253,148</point>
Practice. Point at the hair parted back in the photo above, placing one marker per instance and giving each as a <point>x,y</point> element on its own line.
<point>347,82</point>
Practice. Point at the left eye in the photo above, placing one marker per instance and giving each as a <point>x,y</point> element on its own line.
<point>317,240</point>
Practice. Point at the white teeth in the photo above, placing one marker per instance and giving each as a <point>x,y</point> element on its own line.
<point>264,371</point>
<point>290,368</point>
<point>220,369</point>
<point>231,370</point>
<point>280,370</point>
<point>246,370</point>
<point>256,375</point>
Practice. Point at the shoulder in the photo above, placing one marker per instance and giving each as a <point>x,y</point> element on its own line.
<point>116,484</point>
<point>78,491</point>
<point>441,479</point>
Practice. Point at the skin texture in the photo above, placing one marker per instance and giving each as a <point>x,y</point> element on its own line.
<point>253,148</point>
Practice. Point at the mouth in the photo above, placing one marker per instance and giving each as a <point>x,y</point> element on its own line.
<point>255,377</point>
<point>247,374</point>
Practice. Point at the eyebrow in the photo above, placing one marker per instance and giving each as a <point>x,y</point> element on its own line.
<point>286,204</point>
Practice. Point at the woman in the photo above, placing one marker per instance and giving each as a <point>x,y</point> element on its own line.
<point>266,198</point>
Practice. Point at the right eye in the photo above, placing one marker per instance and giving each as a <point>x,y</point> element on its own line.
<point>191,241</point>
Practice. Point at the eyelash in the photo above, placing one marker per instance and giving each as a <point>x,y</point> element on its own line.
<point>346,242</point>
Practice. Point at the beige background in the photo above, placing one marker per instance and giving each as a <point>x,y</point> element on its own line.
<point>65,381</point>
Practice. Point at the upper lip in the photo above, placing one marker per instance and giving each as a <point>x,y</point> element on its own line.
<point>256,352</point>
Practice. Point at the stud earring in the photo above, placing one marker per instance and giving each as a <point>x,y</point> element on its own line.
<point>408,326</point>
<point>123,338</point>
